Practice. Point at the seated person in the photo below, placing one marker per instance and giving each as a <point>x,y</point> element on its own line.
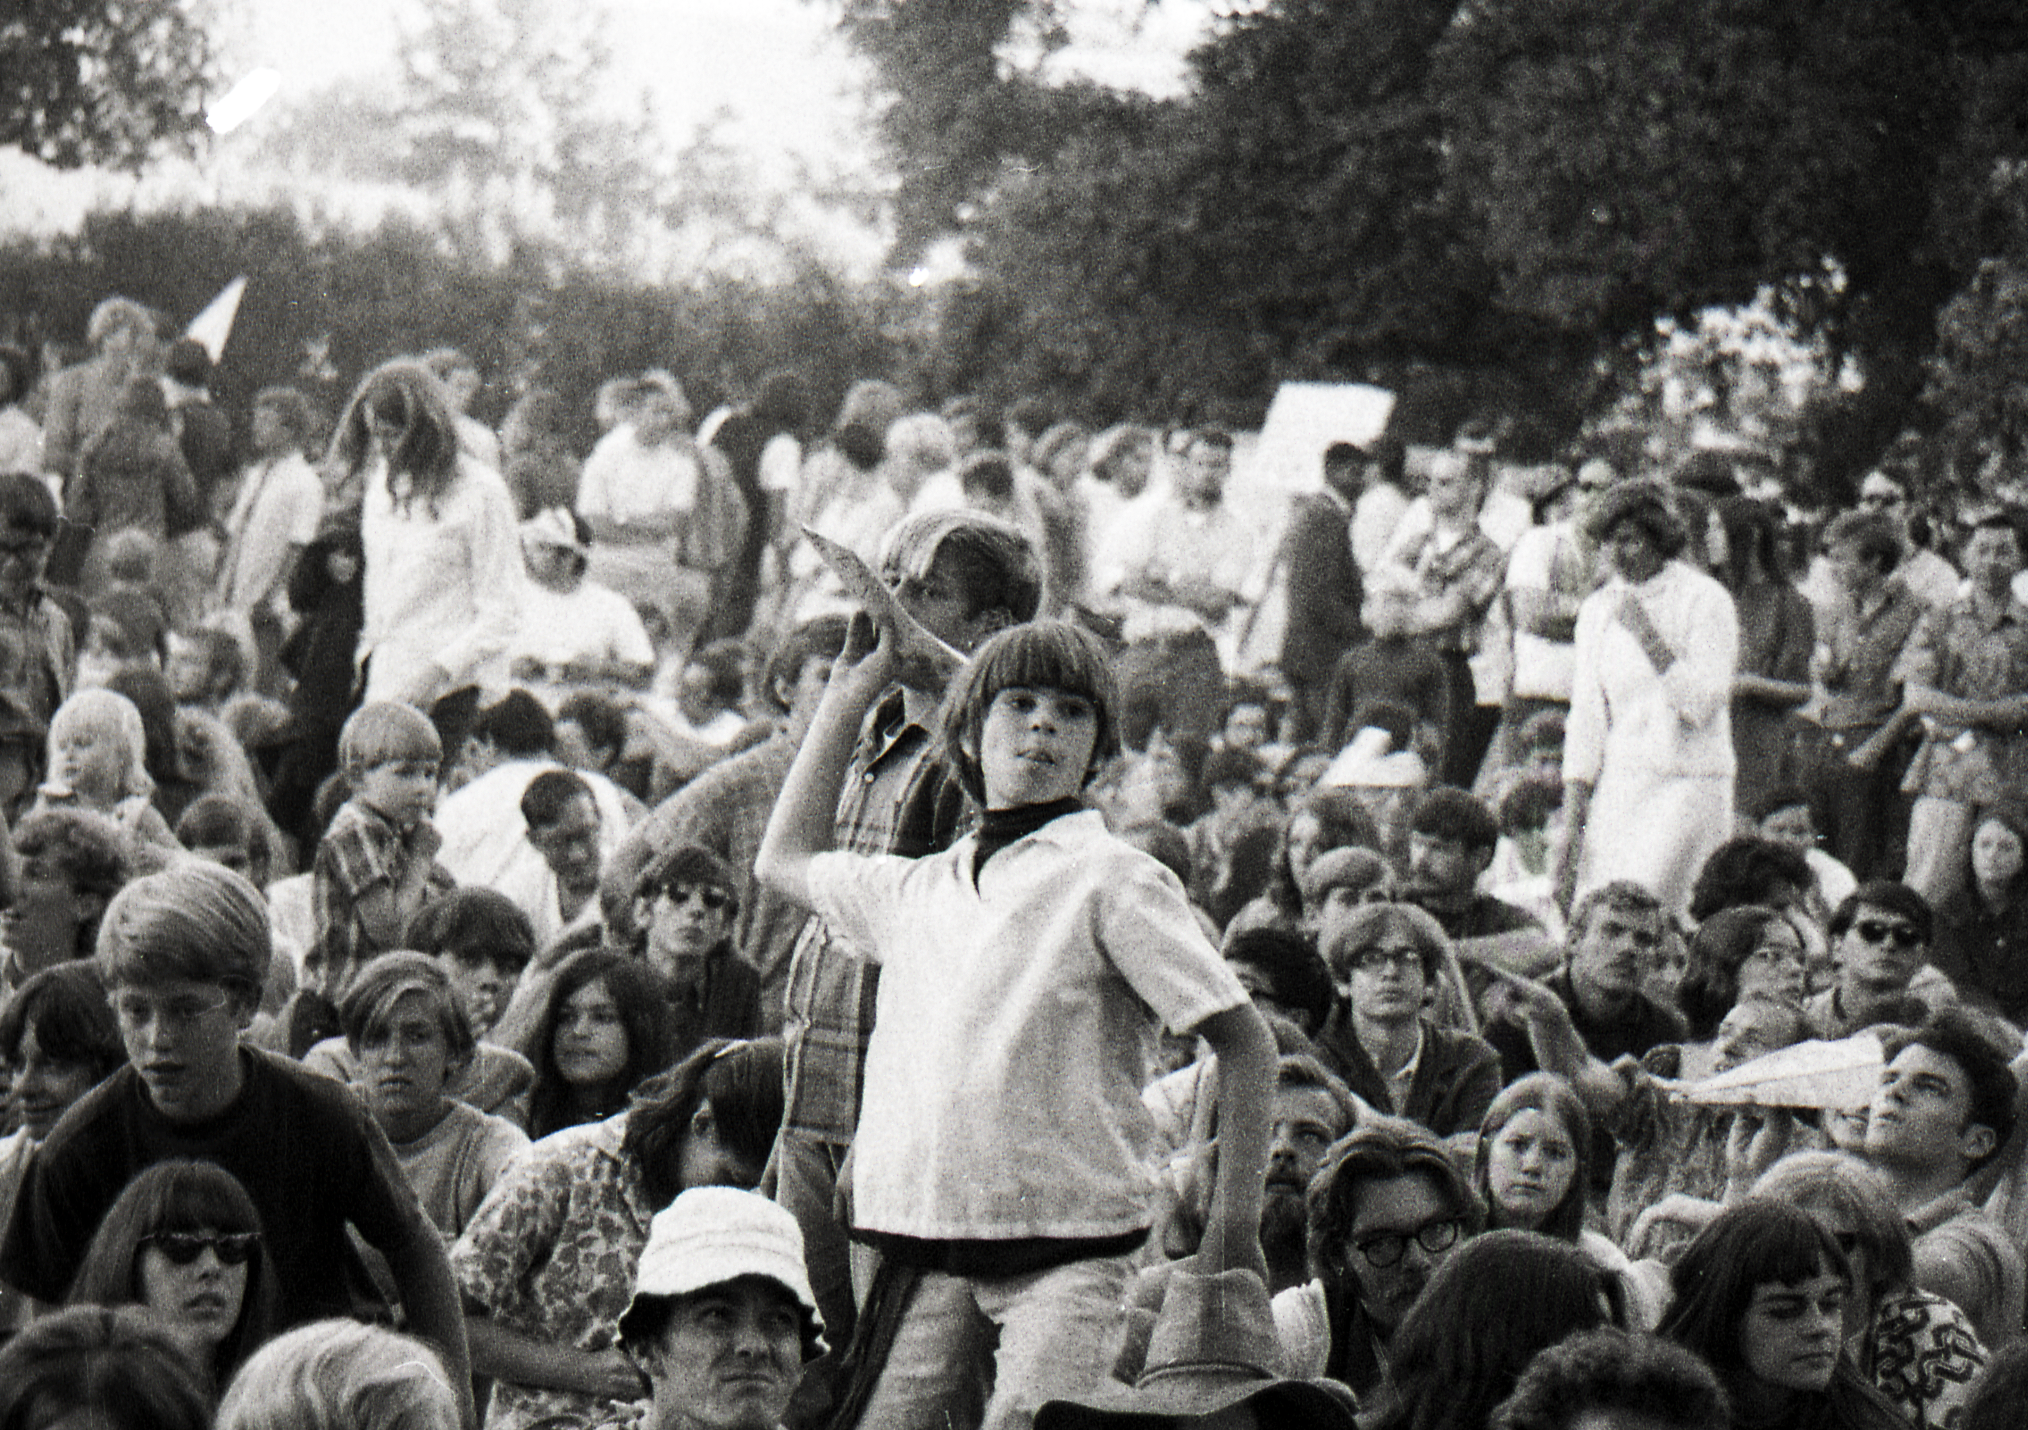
<point>574,631</point>
<point>1386,963</point>
<point>1788,816</point>
<point>408,1032</point>
<point>1283,973</point>
<point>1451,837</point>
<point>1522,872</point>
<point>72,863</point>
<point>1880,938</point>
<point>1385,1209</point>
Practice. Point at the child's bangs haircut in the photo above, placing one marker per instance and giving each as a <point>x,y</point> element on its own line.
<point>386,732</point>
<point>114,716</point>
<point>66,1008</point>
<point>385,982</point>
<point>195,920</point>
<point>1043,655</point>
<point>474,925</point>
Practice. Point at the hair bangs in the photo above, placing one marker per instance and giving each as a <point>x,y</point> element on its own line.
<point>204,1198</point>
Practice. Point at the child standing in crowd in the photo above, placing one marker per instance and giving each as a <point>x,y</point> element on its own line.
<point>97,751</point>
<point>377,863</point>
<point>1004,1158</point>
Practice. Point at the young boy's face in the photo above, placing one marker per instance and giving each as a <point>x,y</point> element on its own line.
<point>1035,745</point>
<point>404,791</point>
<point>481,986</point>
<point>182,1036</point>
<point>90,761</point>
<point>686,921</point>
<point>405,1062</point>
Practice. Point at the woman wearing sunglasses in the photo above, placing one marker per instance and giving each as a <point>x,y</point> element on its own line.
<point>688,901</point>
<point>184,1240</point>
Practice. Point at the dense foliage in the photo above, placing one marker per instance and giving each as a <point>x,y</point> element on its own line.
<point>102,81</point>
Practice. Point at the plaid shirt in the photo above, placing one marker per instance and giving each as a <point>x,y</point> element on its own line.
<point>899,798</point>
<point>1962,652</point>
<point>359,852</point>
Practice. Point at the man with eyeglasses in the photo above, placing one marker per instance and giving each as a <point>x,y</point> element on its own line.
<point>1880,939</point>
<point>1386,1209</point>
<point>1385,961</point>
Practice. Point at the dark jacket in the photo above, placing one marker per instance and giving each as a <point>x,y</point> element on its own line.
<point>1454,1084</point>
<point>1324,592</point>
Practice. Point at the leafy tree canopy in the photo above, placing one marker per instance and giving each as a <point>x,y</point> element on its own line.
<point>103,81</point>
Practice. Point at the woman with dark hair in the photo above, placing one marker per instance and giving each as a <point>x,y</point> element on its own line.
<point>604,1030</point>
<point>1735,954</point>
<point>1326,819</point>
<point>1491,1306</point>
<point>1918,1349</point>
<point>184,1240</point>
<point>1760,1295</point>
<point>1647,753</point>
<point>1534,1169</point>
<point>443,558</point>
<point>132,474</point>
<point>547,1264</point>
<point>1982,931</point>
<point>1777,635</point>
<point>109,1369</point>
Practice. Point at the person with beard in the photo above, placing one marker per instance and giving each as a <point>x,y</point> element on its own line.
<point>1451,839</point>
<point>1384,1211</point>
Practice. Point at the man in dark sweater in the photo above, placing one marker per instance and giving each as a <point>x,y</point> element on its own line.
<point>1450,844</point>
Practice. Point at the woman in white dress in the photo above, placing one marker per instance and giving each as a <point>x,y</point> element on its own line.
<point>1647,758</point>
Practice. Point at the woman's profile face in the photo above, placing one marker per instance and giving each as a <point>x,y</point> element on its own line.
<point>1996,853</point>
<point>197,1281</point>
<point>1775,965</point>
<point>591,1041</point>
<point>1531,1167</point>
<point>1790,1334</point>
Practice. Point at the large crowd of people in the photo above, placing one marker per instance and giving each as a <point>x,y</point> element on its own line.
<point>503,936</point>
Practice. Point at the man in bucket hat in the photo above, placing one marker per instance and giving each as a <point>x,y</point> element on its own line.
<point>722,1318</point>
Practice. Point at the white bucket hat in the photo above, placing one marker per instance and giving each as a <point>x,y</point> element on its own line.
<point>711,1235</point>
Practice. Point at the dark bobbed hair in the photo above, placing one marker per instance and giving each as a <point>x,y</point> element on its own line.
<point>1746,869</point>
<point>602,718</point>
<point>645,1001</point>
<point>1447,812</point>
<point>820,638</point>
<point>1751,1243</point>
<point>406,392</point>
<point>1957,1034</point>
<point>1344,823</point>
<point>65,1006</point>
<point>517,724</point>
<point>1552,1096</point>
<point>1889,897</point>
<point>27,507</point>
<point>549,794</point>
<point>179,1196</point>
<point>1380,1149</point>
<point>1873,532</point>
<point>1640,1376</point>
<point>1053,655</point>
<point>119,1366</point>
<point>1847,1188</point>
<point>1294,970</point>
<point>384,981</point>
<point>1751,527</point>
<point>1718,950</point>
<point>1490,1307</point>
<point>470,924</point>
<point>740,1078</point>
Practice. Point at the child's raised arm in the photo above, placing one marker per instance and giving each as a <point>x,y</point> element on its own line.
<point>1245,1092</point>
<point>804,814</point>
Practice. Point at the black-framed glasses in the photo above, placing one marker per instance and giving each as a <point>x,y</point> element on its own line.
<point>184,1247</point>
<point>1373,960</point>
<point>712,899</point>
<point>1385,1248</point>
<point>1878,931</point>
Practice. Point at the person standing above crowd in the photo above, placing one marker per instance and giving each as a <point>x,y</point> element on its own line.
<point>443,569</point>
<point>1324,592</point>
<point>272,516</point>
<point>81,399</point>
<point>20,433</point>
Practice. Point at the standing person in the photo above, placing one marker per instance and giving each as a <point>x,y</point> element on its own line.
<point>1324,591</point>
<point>38,648</point>
<point>1964,672</point>
<point>964,577</point>
<point>463,382</point>
<point>443,568</point>
<point>985,1063</point>
<point>1647,762</point>
<point>203,433</point>
<point>763,450</point>
<point>272,517</point>
<point>81,399</point>
<point>1777,639</point>
<point>1863,632</point>
<point>1760,1295</point>
<point>185,953</point>
<point>1182,587</point>
<point>132,474</point>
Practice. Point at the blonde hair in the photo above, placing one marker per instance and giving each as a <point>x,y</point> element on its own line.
<point>340,1375</point>
<point>109,713</point>
<point>384,731</point>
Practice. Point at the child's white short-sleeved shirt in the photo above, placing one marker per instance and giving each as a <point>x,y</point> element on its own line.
<point>1003,1081</point>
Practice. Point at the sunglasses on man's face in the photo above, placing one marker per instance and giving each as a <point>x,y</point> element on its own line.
<point>712,899</point>
<point>184,1247</point>
<point>1874,931</point>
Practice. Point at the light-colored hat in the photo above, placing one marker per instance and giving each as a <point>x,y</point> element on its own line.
<point>711,1235</point>
<point>555,527</point>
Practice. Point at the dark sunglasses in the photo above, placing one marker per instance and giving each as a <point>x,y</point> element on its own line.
<point>713,899</point>
<point>184,1247</point>
<point>1876,932</point>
